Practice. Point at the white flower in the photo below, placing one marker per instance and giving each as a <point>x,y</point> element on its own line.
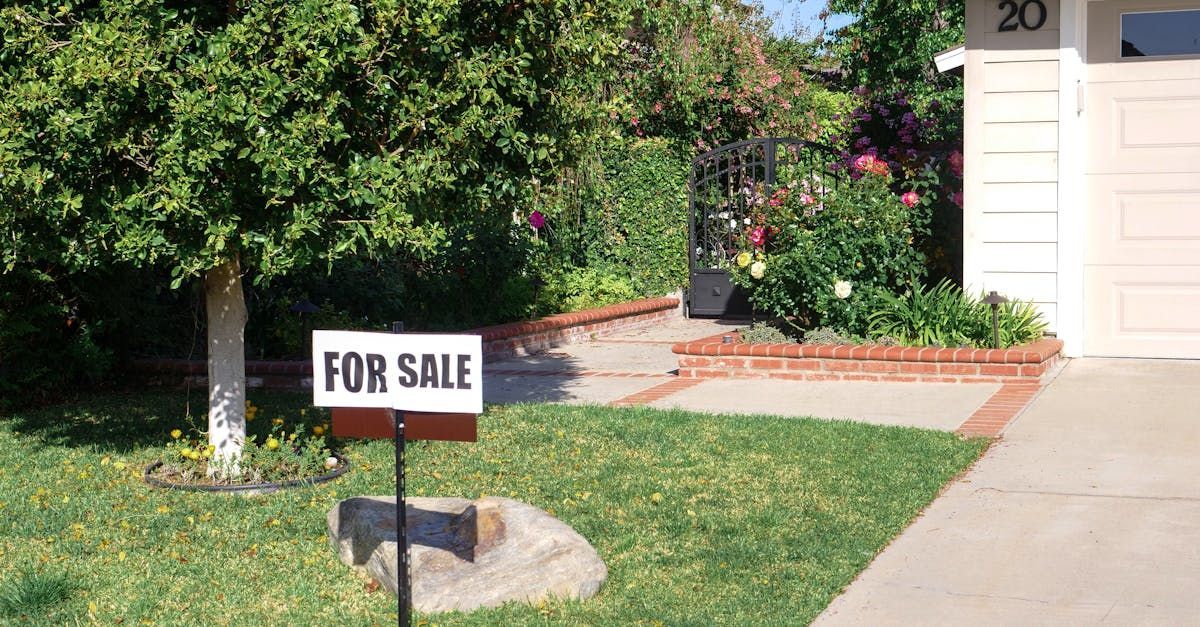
<point>757,269</point>
<point>746,221</point>
<point>732,224</point>
<point>724,215</point>
<point>261,131</point>
<point>842,289</point>
<point>331,462</point>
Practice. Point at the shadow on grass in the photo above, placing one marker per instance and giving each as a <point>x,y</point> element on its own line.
<point>125,420</point>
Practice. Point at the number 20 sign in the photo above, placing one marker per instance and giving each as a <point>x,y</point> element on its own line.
<point>1029,15</point>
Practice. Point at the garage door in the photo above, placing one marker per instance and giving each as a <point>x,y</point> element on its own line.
<point>1142,255</point>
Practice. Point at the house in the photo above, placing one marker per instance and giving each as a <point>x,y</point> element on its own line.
<point>1082,182</point>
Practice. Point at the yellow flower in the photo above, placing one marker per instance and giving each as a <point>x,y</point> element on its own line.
<point>185,452</point>
<point>743,260</point>
<point>292,437</point>
<point>272,444</point>
<point>277,421</point>
<point>176,434</point>
<point>318,430</point>
<point>194,455</point>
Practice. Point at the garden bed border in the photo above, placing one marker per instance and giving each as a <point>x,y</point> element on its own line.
<point>499,342</point>
<point>721,356</point>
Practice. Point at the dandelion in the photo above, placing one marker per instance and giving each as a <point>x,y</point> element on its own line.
<point>272,444</point>
<point>176,434</point>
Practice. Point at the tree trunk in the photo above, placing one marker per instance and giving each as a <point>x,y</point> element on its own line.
<point>225,304</point>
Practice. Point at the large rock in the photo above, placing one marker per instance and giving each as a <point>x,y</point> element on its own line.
<point>468,554</point>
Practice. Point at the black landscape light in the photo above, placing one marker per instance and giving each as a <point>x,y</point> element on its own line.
<point>995,300</point>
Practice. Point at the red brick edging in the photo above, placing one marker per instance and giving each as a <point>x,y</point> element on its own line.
<point>499,342</point>
<point>711,357</point>
<point>995,414</point>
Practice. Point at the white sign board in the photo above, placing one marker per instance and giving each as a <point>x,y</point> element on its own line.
<point>406,371</point>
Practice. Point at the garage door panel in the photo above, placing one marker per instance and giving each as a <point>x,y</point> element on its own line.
<point>1143,312</point>
<point>1144,126</point>
<point>1142,252</point>
<point>1147,219</point>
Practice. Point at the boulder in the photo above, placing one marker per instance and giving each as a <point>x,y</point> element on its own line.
<point>467,554</point>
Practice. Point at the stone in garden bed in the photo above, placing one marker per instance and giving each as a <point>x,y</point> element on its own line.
<point>468,554</point>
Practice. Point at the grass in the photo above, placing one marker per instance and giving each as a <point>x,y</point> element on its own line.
<point>700,519</point>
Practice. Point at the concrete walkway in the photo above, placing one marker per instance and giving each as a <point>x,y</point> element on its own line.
<point>1088,511</point>
<point>637,368</point>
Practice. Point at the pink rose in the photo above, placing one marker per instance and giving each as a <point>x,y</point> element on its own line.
<point>957,199</point>
<point>537,220</point>
<point>758,236</point>
<point>910,199</point>
<point>868,163</point>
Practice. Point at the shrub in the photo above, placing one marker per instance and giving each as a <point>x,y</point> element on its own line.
<point>764,333</point>
<point>823,256</point>
<point>576,289</point>
<point>945,315</point>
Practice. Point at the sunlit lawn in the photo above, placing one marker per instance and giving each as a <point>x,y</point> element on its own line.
<point>700,519</point>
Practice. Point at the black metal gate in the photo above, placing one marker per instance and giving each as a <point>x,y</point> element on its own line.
<point>723,186</point>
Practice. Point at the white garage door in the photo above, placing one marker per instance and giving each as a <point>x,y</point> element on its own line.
<point>1142,259</point>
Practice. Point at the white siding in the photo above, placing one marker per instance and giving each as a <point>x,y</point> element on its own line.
<point>1012,111</point>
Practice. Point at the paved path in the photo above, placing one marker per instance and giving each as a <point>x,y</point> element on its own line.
<point>638,368</point>
<point>1088,511</point>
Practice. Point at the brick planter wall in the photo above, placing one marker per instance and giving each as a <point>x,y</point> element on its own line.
<point>499,342</point>
<point>711,358</point>
<point>526,338</point>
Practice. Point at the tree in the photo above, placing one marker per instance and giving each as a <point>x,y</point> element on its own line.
<point>220,138</point>
<point>891,44</point>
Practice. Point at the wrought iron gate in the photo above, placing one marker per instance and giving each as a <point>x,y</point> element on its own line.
<point>723,186</point>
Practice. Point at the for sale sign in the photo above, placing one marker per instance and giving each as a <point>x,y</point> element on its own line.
<point>408,371</point>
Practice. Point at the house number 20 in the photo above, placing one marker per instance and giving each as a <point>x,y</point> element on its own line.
<point>1019,15</point>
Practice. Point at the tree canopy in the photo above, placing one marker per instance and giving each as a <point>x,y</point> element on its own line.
<point>283,131</point>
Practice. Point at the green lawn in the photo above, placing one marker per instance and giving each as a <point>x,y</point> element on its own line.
<point>700,519</point>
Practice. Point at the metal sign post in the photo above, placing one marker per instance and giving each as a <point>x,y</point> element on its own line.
<point>403,579</point>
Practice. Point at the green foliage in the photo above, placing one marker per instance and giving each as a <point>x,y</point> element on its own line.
<point>622,210</point>
<point>30,594</point>
<point>575,289</point>
<point>945,315</point>
<point>283,132</point>
<point>764,333</point>
<point>46,348</point>
<point>856,239</point>
<point>891,43</point>
<point>642,225</point>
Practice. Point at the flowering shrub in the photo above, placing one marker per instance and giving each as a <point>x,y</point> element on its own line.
<point>922,153</point>
<point>823,259</point>
<point>274,451</point>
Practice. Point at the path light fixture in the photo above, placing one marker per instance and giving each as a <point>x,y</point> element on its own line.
<point>995,300</point>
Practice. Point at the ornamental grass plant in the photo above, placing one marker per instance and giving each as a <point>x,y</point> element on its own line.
<point>946,315</point>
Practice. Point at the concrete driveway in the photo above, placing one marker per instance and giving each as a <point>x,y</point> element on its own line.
<point>1088,511</point>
